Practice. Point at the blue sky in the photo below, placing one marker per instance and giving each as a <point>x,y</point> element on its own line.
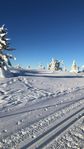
<point>42,29</point>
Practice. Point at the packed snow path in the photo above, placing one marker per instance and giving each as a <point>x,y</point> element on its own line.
<point>44,139</point>
<point>29,106</point>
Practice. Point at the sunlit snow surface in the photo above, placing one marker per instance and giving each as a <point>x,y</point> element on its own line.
<point>32,100</point>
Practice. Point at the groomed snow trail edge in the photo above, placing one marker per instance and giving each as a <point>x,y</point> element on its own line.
<point>54,131</point>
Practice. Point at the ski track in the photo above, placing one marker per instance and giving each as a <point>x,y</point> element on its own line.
<point>29,105</point>
<point>42,140</point>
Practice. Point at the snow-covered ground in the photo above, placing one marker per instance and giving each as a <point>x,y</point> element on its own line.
<point>33,101</point>
<point>73,138</point>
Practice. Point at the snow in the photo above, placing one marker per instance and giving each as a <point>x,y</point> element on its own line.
<point>73,138</point>
<point>32,100</point>
<point>5,73</point>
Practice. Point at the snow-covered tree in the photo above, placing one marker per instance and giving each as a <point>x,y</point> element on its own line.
<point>54,65</point>
<point>4,46</point>
<point>74,67</point>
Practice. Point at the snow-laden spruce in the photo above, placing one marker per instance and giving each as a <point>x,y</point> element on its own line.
<point>5,63</point>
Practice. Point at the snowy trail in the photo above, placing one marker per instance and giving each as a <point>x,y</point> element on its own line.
<point>58,108</point>
<point>31,105</point>
<point>58,101</point>
<point>53,132</point>
<point>38,106</point>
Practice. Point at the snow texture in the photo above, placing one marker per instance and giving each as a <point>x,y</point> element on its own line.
<point>32,100</point>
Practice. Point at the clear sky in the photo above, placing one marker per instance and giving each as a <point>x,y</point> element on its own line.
<point>42,29</point>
